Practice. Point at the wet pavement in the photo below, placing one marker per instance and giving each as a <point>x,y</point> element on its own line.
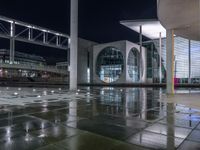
<point>95,119</point>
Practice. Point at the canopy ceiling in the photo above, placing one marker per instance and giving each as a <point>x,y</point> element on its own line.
<point>181,15</point>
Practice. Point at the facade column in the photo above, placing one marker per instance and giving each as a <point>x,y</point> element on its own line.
<point>143,60</point>
<point>141,63</point>
<point>170,61</point>
<point>160,48</point>
<point>73,45</point>
<point>189,55</point>
<point>12,43</point>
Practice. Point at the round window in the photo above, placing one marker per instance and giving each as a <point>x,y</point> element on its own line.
<point>134,65</point>
<point>109,64</point>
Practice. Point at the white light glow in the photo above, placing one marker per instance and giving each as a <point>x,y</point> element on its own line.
<point>10,21</point>
<point>52,91</point>
<point>15,93</point>
<point>43,30</point>
<point>28,138</point>
<point>69,41</point>
<point>45,93</point>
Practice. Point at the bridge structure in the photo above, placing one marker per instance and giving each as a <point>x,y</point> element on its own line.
<point>16,30</point>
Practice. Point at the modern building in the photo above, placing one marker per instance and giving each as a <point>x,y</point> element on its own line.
<point>118,62</point>
<point>28,67</point>
<point>186,60</point>
<point>21,58</point>
<point>186,53</point>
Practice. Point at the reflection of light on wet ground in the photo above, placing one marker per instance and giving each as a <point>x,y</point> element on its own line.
<point>31,118</point>
<point>9,96</point>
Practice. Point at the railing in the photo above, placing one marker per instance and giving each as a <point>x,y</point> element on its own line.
<point>26,32</point>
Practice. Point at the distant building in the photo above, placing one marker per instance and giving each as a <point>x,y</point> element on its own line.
<point>29,68</point>
<point>21,58</point>
<point>62,65</point>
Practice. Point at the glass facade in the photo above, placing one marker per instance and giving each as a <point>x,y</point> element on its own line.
<point>153,62</point>
<point>133,64</point>
<point>184,51</point>
<point>195,62</point>
<point>109,64</point>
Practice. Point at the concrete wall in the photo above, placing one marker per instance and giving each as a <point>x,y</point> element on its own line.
<point>85,47</point>
<point>129,46</point>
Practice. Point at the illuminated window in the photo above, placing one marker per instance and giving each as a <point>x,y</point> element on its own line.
<point>134,64</point>
<point>109,65</point>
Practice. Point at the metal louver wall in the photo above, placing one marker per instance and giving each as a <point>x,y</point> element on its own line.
<point>181,56</point>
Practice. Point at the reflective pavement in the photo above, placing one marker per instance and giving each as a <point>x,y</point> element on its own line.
<point>95,119</point>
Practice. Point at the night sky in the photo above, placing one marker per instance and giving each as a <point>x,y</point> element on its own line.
<point>98,19</point>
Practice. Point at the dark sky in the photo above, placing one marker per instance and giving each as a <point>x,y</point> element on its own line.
<point>98,19</point>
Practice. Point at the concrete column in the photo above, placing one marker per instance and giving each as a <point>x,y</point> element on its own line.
<point>160,48</point>
<point>189,57</point>
<point>12,42</point>
<point>144,66</point>
<point>170,61</point>
<point>141,63</point>
<point>73,45</point>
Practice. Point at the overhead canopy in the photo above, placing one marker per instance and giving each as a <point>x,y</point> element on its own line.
<point>150,28</point>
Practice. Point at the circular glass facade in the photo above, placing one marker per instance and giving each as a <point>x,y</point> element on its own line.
<point>134,65</point>
<point>109,65</point>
